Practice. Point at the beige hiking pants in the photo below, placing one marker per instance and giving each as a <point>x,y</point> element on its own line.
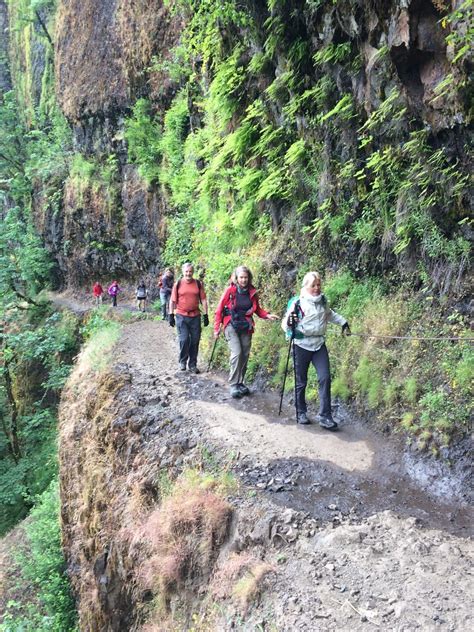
<point>239,346</point>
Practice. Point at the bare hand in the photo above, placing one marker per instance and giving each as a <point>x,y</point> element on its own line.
<point>272,317</point>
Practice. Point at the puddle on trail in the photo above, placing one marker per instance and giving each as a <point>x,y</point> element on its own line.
<point>352,472</point>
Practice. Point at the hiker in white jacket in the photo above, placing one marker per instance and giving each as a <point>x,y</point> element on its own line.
<point>309,314</point>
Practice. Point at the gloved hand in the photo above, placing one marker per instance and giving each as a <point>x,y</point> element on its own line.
<point>292,320</point>
<point>171,320</point>
<point>205,320</point>
<point>346,330</point>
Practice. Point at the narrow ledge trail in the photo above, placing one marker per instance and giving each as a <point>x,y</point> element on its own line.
<point>369,536</point>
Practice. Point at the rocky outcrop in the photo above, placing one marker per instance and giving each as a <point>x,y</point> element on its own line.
<point>103,55</point>
<point>108,54</point>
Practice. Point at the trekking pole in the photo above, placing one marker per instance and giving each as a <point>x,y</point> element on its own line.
<point>212,355</point>
<point>286,367</point>
<point>294,372</point>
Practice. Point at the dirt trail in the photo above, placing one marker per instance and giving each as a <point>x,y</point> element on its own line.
<point>351,467</point>
<point>326,496</point>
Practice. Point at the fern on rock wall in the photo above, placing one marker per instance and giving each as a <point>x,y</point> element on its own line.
<point>327,135</point>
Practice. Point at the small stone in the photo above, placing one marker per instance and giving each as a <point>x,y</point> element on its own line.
<point>332,507</point>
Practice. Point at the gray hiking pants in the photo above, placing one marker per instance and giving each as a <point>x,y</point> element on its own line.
<point>164,300</point>
<point>320,360</point>
<point>189,334</point>
<point>239,346</point>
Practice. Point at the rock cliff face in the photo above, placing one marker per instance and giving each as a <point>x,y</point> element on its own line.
<point>110,221</point>
<point>108,54</point>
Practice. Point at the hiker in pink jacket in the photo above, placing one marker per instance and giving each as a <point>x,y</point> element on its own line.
<point>113,290</point>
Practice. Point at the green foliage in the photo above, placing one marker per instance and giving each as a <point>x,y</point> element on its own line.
<point>98,352</point>
<point>332,53</point>
<point>172,143</point>
<point>461,37</point>
<point>259,140</point>
<point>143,136</point>
<point>21,481</point>
<point>46,603</point>
<point>82,169</point>
<point>24,263</point>
<point>411,390</point>
<point>36,352</point>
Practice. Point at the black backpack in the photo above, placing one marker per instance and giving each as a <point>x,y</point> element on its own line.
<point>237,320</point>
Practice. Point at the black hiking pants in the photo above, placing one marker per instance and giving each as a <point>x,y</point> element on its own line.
<point>320,360</point>
<point>189,334</point>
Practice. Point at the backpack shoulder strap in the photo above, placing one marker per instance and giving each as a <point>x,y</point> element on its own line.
<point>295,303</point>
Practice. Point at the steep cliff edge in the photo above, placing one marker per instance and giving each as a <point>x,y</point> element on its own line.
<point>182,509</point>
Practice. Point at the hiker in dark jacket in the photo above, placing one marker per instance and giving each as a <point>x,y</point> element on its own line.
<point>186,296</point>
<point>234,315</point>
<point>309,314</point>
<point>142,294</point>
<point>166,287</point>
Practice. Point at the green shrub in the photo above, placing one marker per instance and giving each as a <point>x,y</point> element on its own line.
<point>46,603</point>
<point>363,374</point>
<point>340,388</point>
<point>410,390</point>
<point>143,136</point>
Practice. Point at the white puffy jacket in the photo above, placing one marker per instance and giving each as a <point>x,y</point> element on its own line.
<point>312,326</point>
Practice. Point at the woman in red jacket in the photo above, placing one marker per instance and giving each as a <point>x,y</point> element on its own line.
<point>97,291</point>
<point>234,315</point>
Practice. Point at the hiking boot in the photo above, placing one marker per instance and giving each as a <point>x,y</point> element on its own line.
<point>327,422</point>
<point>302,418</point>
<point>243,389</point>
<point>182,366</point>
<point>194,369</point>
<point>235,391</point>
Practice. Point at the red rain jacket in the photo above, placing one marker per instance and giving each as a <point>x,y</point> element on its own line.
<point>227,302</point>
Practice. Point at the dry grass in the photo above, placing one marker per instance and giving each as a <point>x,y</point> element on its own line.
<point>240,578</point>
<point>248,587</point>
<point>184,535</point>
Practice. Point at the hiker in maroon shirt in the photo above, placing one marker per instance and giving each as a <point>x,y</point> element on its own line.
<point>186,296</point>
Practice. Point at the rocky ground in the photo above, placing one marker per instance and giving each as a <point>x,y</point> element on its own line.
<point>358,534</point>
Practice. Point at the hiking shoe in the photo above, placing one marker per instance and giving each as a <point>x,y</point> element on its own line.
<point>243,389</point>
<point>182,366</point>
<point>302,418</point>
<point>194,369</point>
<point>327,422</point>
<point>235,391</point>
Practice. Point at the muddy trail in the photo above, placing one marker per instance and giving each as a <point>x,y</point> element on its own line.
<point>355,483</point>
